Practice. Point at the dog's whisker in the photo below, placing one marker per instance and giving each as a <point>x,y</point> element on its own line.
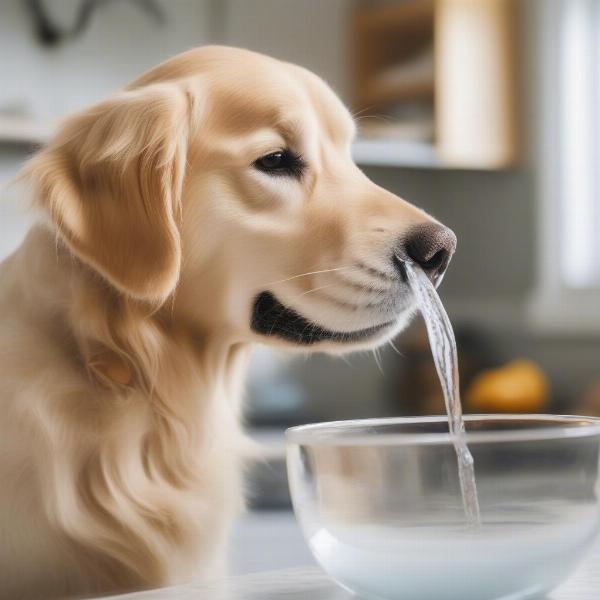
<point>384,118</point>
<point>363,110</point>
<point>346,360</point>
<point>366,292</point>
<point>391,343</point>
<point>347,267</point>
<point>374,297</point>
<point>312,290</point>
<point>377,358</point>
<point>375,272</point>
<point>360,287</point>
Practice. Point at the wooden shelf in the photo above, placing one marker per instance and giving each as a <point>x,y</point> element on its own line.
<point>385,37</point>
<point>394,18</point>
<point>382,95</point>
<point>454,59</point>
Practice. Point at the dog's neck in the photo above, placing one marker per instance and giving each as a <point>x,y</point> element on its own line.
<point>137,392</point>
<point>120,343</point>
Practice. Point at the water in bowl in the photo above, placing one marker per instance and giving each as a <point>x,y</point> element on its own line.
<point>443,349</point>
<point>508,556</point>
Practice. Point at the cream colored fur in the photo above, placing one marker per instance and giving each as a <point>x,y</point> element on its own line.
<point>125,315</point>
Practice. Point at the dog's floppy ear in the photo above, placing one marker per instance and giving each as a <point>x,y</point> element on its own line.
<point>111,182</point>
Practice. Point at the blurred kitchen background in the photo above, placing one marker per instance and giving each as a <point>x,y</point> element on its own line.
<point>484,112</point>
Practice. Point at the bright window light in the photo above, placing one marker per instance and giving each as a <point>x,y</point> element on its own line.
<point>580,155</point>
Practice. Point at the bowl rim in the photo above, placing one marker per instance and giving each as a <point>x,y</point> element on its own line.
<point>335,433</point>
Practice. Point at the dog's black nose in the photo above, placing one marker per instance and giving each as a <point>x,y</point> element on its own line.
<point>431,246</point>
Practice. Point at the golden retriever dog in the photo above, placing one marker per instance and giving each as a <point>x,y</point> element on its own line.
<point>211,205</point>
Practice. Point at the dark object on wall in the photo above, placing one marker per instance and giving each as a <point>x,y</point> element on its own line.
<point>50,34</point>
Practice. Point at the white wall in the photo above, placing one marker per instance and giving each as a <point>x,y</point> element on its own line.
<point>121,43</point>
<point>312,33</point>
<point>14,216</point>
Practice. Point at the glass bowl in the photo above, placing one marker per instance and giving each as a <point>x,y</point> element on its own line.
<point>380,506</point>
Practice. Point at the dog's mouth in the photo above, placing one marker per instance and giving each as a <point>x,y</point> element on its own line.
<point>272,318</point>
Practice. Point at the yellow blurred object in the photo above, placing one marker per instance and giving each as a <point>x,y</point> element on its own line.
<point>518,387</point>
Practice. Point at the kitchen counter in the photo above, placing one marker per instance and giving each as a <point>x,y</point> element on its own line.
<point>310,583</point>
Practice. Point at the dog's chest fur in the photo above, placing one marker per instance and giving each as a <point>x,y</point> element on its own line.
<point>108,489</point>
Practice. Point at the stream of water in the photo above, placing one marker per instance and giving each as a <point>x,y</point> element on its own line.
<point>443,348</point>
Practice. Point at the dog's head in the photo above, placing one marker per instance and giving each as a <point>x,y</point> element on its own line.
<point>222,180</point>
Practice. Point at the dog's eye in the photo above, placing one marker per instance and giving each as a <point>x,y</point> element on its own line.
<point>282,162</point>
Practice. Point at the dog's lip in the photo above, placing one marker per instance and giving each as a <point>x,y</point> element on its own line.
<point>271,317</point>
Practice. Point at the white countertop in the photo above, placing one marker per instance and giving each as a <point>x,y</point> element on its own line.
<point>310,583</point>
